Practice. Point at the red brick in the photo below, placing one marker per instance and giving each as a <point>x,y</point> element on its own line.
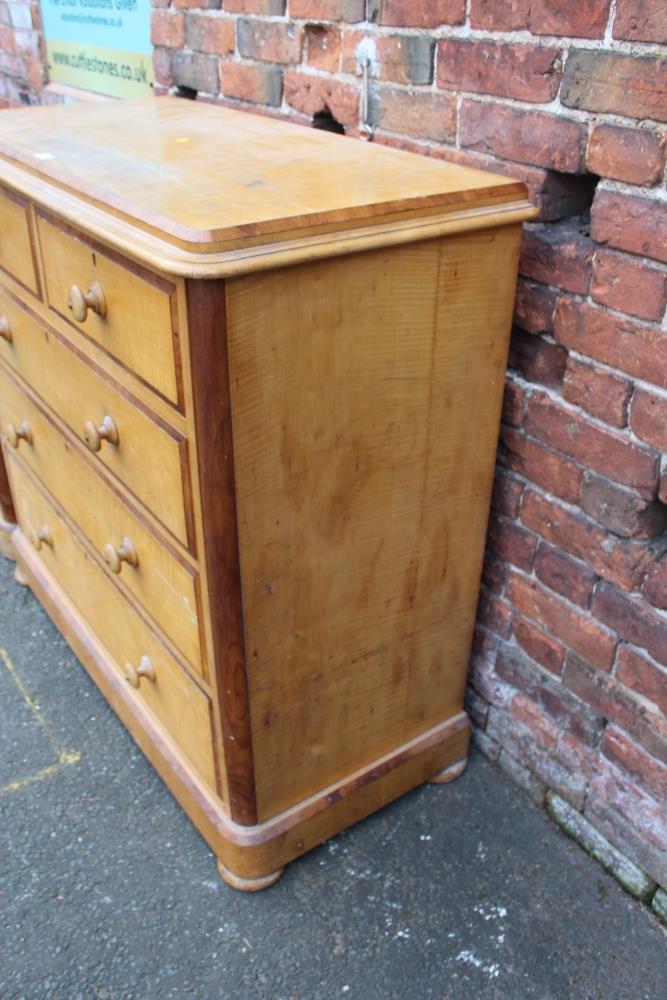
<point>533,137</point>
<point>210,33</point>
<point>162,67</point>
<point>646,770</point>
<point>549,695</point>
<point>627,154</point>
<point>626,222</point>
<point>476,707</point>
<point>558,255</point>
<point>399,58</point>
<point>576,629</point>
<point>311,94</point>
<point>601,394</point>
<point>648,418</point>
<point>269,41</point>
<point>655,585</point>
<point>662,489</point>
<point>558,572</point>
<point>484,644</point>
<point>537,360</point>
<point>629,818</point>
<point>576,18</point>
<point>416,13</point>
<point>494,573</point>
<point>255,6</point>
<point>540,647</point>
<point>610,700</point>
<point>641,20</point>
<point>492,688</point>
<point>425,115</point>
<point>507,493</point>
<point>540,464</point>
<point>623,511</point>
<point>622,562</point>
<point>494,613</point>
<point>512,542</point>
<point>534,306</point>
<point>592,446</point>
<point>542,729</point>
<point>514,404</point>
<point>555,195</point>
<point>168,29</point>
<point>255,83</point>
<point>323,47</point>
<point>634,621</point>
<point>524,72</point>
<point>633,347</point>
<point>196,71</point>
<point>632,85</point>
<point>629,285</point>
<point>328,10</point>
<point>642,676</point>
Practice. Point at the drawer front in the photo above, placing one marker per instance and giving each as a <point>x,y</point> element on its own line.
<point>149,458</point>
<point>182,708</point>
<point>137,325</point>
<point>15,244</point>
<point>166,587</point>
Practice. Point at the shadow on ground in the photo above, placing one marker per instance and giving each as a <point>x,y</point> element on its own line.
<point>107,891</point>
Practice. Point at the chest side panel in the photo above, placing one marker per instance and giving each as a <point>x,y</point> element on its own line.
<point>365,399</point>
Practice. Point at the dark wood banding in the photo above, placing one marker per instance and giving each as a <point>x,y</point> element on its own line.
<point>215,454</point>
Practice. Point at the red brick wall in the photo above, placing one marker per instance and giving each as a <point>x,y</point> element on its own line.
<point>569,673</point>
<point>22,70</point>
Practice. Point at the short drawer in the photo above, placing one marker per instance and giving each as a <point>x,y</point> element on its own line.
<point>163,583</point>
<point>15,244</point>
<point>180,705</point>
<point>123,308</point>
<point>148,456</point>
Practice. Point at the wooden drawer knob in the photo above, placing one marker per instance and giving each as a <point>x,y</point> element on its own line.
<point>5,330</point>
<point>93,436</point>
<point>115,557</point>
<point>134,674</point>
<point>43,537</point>
<point>79,302</point>
<point>14,435</point>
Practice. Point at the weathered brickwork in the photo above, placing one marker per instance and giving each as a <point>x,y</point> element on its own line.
<point>568,687</point>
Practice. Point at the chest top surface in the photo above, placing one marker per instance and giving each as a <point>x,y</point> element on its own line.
<point>208,178</point>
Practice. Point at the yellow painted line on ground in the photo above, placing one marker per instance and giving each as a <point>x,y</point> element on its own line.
<point>64,758</point>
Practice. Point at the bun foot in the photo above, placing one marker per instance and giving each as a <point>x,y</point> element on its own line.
<point>450,773</point>
<point>20,576</point>
<point>248,884</point>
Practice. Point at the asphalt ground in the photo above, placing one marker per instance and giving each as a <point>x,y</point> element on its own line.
<point>107,891</point>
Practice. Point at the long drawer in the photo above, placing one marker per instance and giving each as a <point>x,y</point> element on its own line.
<point>164,584</point>
<point>149,457</point>
<point>133,321</point>
<point>181,707</point>
<point>15,243</point>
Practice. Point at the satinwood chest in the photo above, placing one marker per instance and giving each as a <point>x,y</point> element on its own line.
<point>250,385</point>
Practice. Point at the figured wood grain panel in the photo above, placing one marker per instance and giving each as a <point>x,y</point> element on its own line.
<point>366,395</point>
<point>137,329</point>
<point>150,457</point>
<point>207,335</point>
<point>15,243</point>
<point>176,700</point>
<point>163,583</point>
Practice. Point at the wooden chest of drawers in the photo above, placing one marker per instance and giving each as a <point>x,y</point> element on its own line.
<point>250,384</point>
